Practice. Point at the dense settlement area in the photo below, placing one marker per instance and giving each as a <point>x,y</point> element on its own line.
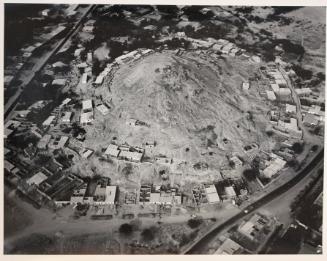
<point>53,158</point>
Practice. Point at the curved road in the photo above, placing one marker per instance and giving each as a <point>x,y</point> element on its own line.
<point>201,244</point>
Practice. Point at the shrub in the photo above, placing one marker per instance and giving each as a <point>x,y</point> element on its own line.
<point>194,222</point>
<point>126,229</point>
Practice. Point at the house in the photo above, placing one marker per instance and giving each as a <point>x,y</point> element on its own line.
<point>275,87</point>
<point>103,109</point>
<point>229,247</point>
<point>66,117</point>
<point>112,150</point>
<point>290,108</point>
<point>88,28</point>
<point>48,121</point>
<point>303,92</point>
<point>315,110</point>
<point>245,86</point>
<point>77,52</point>
<point>86,118</point>
<point>131,122</point>
<point>155,198</point>
<point>43,142</point>
<point>252,228</point>
<point>212,194</point>
<point>7,79</point>
<point>274,167</point>
<point>58,142</point>
<point>45,12</point>
<point>271,95</point>
<point>82,65</point>
<point>290,127</point>
<point>37,179</point>
<point>230,192</point>
<point>99,79</point>
<point>111,192</point>
<point>59,82</point>
<point>59,64</point>
<point>281,82</point>
<point>86,153</point>
<point>78,195</point>
<point>255,59</point>
<point>310,120</point>
<point>8,166</point>
<point>87,112</point>
<point>89,57</point>
<point>131,156</point>
<point>87,106</point>
<point>236,161</point>
<point>10,126</point>
<point>84,78</point>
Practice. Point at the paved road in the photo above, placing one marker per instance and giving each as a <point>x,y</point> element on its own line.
<point>200,246</point>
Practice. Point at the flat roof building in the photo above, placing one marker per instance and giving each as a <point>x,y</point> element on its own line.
<point>58,142</point>
<point>110,194</point>
<point>37,179</point>
<point>245,86</point>
<point>212,194</point>
<point>86,118</point>
<point>59,82</point>
<point>303,91</point>
<point>271,95</point>
<point>229,247</point>
<point>84,78</point>
<point>112,150</point>
<point>290,108</point>
<point>49,120</point>
<point>99,79</point>
<point>87,105</point>
<point>44,141</point>
<point>275,166</point>
<point>131,156</point>
<point>275,87</point>
<point>103,109</point>
<point>310,120</point>
<point>66,117</point>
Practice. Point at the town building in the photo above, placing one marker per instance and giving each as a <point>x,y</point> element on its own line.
<point>58,142</point>
<point>274,167</point>
<point>310,120</point>
<point>37,179</point>
<point>245,86</point>
<point>49,121</point>
<point>87,112</point>
<point>303,92</point>
<point>290,108</point>
<point>103,109</point>
<point>131,156</point>
<point>229,247</point>
<point>271,96</point>
<point>211,193</point>
<point>112,151</point>
<point>66,117</point>
<point>84,78</point>
<point>43,142</point>
<point>59,82</point>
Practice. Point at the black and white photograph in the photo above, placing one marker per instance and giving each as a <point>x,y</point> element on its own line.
<point>152,129</point>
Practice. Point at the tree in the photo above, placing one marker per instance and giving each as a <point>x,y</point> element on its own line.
<point>148,234</point>
<point>250,174</point>
<point>194,222</point>
<point>297,147</point>
<point>126,229</point>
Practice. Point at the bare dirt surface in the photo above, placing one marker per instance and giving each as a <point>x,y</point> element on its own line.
<point>187,102</point>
